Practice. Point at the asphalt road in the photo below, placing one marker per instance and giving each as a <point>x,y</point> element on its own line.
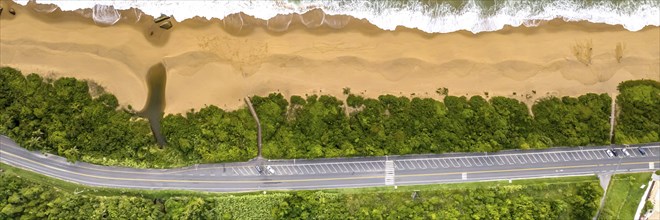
<point>341,172</point>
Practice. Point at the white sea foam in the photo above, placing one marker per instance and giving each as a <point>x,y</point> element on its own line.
<point>105,14</point>
<point>633,15</point>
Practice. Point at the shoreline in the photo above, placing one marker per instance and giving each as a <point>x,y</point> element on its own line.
<point>431,17</point>
<point>208,64</point>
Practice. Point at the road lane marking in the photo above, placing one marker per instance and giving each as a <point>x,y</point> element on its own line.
<point>307,180</point>
<point>378,166</point>
<point>253,171</point>
<point>486,159</point>
<point>454,163</point>
<point>541,158</point>
<point>575,156</point>
<point>298,170</point>
<point>320,169</point>
<point>463,160</point>
<point>399,165</point>
<point>292,171</point>
<point>420,163</point>
<point>409,164</point>
<point>372,166</point>
<point>354,168</point>
<point>500,161</point>
<point>342,168</point>
<point>332,168</point>
<point>285,170</point>
<point>477,160</point>
<point>445,164</point>
<point>369,169</point>
<point>554,157</point>
<point>433,164</point>
<point>359,167</point>
<point>598,155</point>
<point>509,160</point>
<point>532,159</point>
<point>278,171</point>
<point>309,170</point>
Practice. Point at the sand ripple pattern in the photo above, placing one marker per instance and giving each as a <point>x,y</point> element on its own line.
<point>245,54</point>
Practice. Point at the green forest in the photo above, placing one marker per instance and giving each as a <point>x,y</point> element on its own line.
<point>32,196</point>
<point>76,119</point>
<point>638,120</point>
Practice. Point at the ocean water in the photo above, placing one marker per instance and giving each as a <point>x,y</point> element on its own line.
<point>432,16</point>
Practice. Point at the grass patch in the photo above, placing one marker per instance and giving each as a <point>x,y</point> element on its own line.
<point>623,195</point>
<point>470,185</point>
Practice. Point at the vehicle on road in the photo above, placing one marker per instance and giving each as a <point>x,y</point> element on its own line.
<point>615,152</point>
<point>259,169</point>
<point>641,151</point>
<point>270,169</point>
<point>609,153</point>
<point>625,151</point>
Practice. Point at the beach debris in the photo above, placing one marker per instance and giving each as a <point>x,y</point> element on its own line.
<point>1,10</point>
<point>12,11</point>
<point>167,25</point>
<point>161,18</point>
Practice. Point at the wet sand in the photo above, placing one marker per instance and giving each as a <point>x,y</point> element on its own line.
<point>219,62</point>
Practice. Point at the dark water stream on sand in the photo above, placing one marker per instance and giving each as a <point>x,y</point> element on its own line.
<point>155,107</point>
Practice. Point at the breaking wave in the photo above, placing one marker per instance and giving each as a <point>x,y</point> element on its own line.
<point>429,16</point>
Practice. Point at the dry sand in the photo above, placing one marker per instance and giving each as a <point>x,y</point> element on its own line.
<point>210,62</point>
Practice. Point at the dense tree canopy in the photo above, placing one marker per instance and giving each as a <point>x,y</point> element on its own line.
<point>62,117</point>
<point>638,118</point>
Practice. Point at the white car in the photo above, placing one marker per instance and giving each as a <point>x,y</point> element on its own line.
<point>270,169</point>
<point>609,153</point>
<point>625,152</point>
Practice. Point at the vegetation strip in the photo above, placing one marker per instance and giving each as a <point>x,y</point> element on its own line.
<point>78,120</point>
<point>623,195</point>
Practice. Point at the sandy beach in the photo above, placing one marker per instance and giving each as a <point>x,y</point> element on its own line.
<point>216,62</point>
